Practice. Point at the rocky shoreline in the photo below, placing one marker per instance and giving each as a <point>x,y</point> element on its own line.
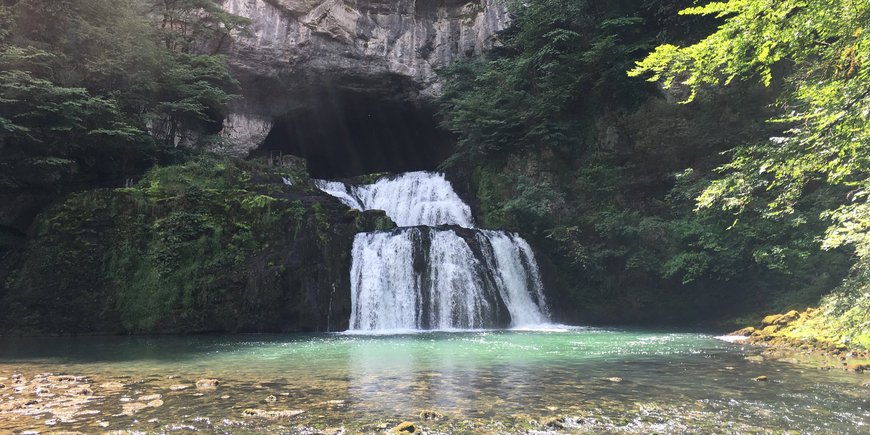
<point>789,337</point>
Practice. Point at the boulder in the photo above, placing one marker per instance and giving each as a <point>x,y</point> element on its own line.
<point>858,367</point>
<point>745,332</point>
<point>771,319</point>
<point>428,414</point>
<point>788,317</point>
<point>768,330</point>
<point>405,427</point>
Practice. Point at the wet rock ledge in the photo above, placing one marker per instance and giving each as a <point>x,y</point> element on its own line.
<point>793,336</point>
<point>211,245</point>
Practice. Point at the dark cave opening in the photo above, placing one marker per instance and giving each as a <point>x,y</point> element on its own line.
<point>346,133</point>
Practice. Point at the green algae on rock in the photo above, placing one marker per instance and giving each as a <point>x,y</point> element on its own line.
<point>210,245</point>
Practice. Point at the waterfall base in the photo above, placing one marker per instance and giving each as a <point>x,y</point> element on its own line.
<point>436,271</point>
<point>444,278</point>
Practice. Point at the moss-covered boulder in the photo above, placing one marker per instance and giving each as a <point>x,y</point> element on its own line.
<point>840,325</point>
<point>210,245</point>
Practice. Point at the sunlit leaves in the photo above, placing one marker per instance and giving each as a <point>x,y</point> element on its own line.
<point>825,53</point>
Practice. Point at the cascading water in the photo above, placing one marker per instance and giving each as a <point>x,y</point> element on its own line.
<point>436,271</point>
<point>411,199</point>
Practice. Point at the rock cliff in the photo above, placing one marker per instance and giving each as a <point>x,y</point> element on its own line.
<point>207,246</point>
<point>299,53</point>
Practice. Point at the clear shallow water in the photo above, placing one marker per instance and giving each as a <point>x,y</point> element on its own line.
<point>573,381</point>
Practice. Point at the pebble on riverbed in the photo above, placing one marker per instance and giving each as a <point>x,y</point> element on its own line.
<point>207,384</point>
<point>428,414</point>
<point>112,386</point>
<point>273,415</point>
<point>132,408</point>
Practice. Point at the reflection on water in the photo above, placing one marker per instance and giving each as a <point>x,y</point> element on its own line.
<point>490,381</point>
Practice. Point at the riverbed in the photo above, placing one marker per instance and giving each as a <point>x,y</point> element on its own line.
<point>558,380</point>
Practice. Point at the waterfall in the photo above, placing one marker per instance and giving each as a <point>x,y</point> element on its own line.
<point>410,199</point>
<point>436,271</point>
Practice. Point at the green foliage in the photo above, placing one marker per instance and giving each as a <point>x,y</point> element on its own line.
<point>210,244</point>
<point>565,58</point>
<point>824,50</point>
<point>194,25</point>
<point>92,82</point>
<point>843,316</point>
<point>36,110</point>
<point>565,147</point>
<point>194,230</point>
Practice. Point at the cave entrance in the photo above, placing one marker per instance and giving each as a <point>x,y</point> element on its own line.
<point>344,133</point>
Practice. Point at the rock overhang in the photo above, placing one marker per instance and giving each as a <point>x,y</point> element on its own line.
<point>304,59</point>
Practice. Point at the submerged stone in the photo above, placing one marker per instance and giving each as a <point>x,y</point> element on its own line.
<point>272,414</point>
<point>112,386</point>
<point>132,408</point>
<point>556,423</point>
<point>207,384</point>
<point>66,379</point>
<point>428,414</point>
<point>80,391</point>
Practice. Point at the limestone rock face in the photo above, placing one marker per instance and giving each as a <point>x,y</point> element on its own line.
<point>301,51</point>
<point>294,42</point>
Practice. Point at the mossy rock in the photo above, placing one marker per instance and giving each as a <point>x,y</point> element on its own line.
<point>405,427</point>
<point>213,245</point>
<point>771,319</point>
<point>745,332</point>
<point>788,317</point>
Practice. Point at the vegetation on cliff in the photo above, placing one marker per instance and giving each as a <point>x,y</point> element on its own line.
<point>649,201</point>
<point>820,52</point>
<point>208,245</point>
<point>94,92</point>
<point>606,171</point>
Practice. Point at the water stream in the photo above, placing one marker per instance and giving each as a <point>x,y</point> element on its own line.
<point>575,380</point>
<point>436,271</point>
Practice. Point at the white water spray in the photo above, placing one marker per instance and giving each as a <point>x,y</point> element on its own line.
<point>410,199</point>
<point>426,276</point>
